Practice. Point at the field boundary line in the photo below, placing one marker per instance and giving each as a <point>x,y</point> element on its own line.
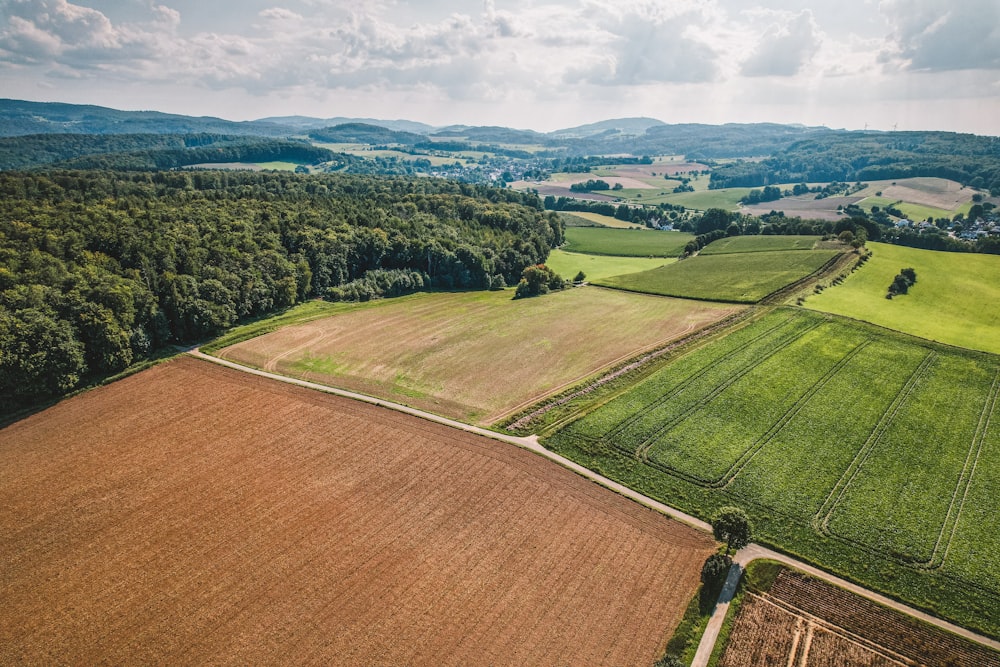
<point>530,443</point>
<point>965,478</point>
<point>825,512</point>
<point>748,455</point>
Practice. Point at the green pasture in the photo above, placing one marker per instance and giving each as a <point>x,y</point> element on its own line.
<point>598,267</point>
<point>745,277</point>
<point>954,300</point>
<point>626,243</point>
<point>732,244</point>
<point>870,453</point>
<point>726,198</point>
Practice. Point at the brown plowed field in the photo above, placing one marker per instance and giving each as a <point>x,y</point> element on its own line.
<point>192,514</point>
<point>810,623</point>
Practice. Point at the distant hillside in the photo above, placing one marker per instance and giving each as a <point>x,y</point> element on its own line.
<point>306,123</point>
<point>18,118</point>
<point>853,156</point>
<point>361,133</point>
<point>492,134</point>
<point>632,126</point>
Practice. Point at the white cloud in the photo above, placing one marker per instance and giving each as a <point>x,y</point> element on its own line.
<point>784,47</point>
<point>934,36</point>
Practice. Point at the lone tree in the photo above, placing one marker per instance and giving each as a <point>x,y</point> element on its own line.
<point>715,570</point>
<point>732,526</point>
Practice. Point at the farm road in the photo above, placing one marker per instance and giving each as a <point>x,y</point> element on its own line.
<point>743,557</point>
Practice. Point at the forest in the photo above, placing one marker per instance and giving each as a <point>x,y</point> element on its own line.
<point>100,269</point>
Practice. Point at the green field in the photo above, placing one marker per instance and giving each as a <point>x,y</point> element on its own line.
<point>598,267</point>
<point>745,277</point>
<point>727,198</point>
<point>625,243</point>
<point>954,300</point>
<point>867,452</point>
<point>474,356</point>
<point>733,244</point>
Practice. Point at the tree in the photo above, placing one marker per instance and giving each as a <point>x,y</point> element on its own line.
<point>732,526</point>
<point>715,570</point>
<point>579,277</point>
<point>669,661</point>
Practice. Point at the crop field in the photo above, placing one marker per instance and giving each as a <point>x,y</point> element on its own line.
<point>745,277</point>
<point>597,267</point>
<point>865,450</point>
<point>192,514</point>
<point>732,244</point>
<point>806,622</point>
<point>626,243</point>
<point>474,355</point>
<point>952,302</point>
<point>936,193</point>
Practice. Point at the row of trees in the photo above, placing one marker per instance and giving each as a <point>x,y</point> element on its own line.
<point>99,269</point>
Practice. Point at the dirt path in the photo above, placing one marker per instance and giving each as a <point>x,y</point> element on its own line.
<point>743,557</point>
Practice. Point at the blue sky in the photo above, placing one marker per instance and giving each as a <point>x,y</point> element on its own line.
<point>540,64</point>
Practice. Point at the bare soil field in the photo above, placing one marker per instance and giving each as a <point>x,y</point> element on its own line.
<point>806,622</point>
<point>192,514</point>
<point>658,169</point>
<point>477,355</point>
<point>934,192</point>
<point>804,207</point>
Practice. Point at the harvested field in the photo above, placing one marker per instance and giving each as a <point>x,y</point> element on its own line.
<point>809,623</point>
<point>804,207</point>
<point>192,514</point>
<point>475,355</point>
<point>564,191</point>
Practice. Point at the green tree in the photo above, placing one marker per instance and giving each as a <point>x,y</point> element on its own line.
<point>579,277</point>
<point>732,526</point>
<point>715,570</point>
<point>39,355</point>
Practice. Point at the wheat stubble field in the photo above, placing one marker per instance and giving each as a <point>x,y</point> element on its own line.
<point>191,514</point>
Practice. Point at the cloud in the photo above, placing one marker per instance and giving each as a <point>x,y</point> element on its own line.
<point>647,42</point>
<point>934,36</point>
<point>784,48</point>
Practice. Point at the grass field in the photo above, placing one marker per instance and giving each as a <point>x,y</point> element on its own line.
<point>868,452</point>
<point>745,277</point>
<point>727,198</point>
<point>601,220</point>
<point>474,355</point>
<point>733,244</point>
<point>213,517</point>
<point>954,299</point>
<point>626,243</point>
<point>599,267</point>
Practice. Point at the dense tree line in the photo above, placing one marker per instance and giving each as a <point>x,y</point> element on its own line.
<point>98,269</point>
<point>641,215</point>
<point>245,150</point>
<point>858,156</point>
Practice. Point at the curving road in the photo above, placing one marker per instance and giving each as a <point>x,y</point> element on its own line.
<point>742,558</point>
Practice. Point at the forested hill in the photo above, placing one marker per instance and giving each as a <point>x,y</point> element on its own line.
<point>149,151</point>
<point>842,156</point>
<point>99,269</point>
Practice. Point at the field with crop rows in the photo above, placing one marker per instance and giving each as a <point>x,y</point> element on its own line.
<point>745,277</point>
<point>860,448</point>
<point>475,356</point>
<point>597,267</point>
<point>809,623</point>
<point>192,514</point>
<point>733,244</point>
<point>954,299</point>
<point>626,243</point>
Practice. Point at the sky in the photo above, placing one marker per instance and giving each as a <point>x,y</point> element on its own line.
<point>535,64</point>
